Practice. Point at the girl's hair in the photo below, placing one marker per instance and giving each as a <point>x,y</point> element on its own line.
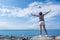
<point>40,13</point>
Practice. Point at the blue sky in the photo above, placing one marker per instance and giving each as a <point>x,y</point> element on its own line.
<point>15,14</point>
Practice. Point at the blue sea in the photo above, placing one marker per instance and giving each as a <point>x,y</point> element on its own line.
<point>52,32</point>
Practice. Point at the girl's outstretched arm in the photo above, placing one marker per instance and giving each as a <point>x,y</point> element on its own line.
<point>47,12</point>
<point>34,15</point>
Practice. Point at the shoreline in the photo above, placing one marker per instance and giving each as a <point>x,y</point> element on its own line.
<point>29,38</point>
<point>2,37</point>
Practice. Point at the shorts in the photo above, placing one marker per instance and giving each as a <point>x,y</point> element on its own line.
<point>43,23</point>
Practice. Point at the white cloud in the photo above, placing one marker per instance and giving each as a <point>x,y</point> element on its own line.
<point>3,25</point>
<point>15,25</point>
<point>11,25</point>
<point>32,8</point>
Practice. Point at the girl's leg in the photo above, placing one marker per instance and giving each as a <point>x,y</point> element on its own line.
<point>45,29</point>
<point>40,28</point>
